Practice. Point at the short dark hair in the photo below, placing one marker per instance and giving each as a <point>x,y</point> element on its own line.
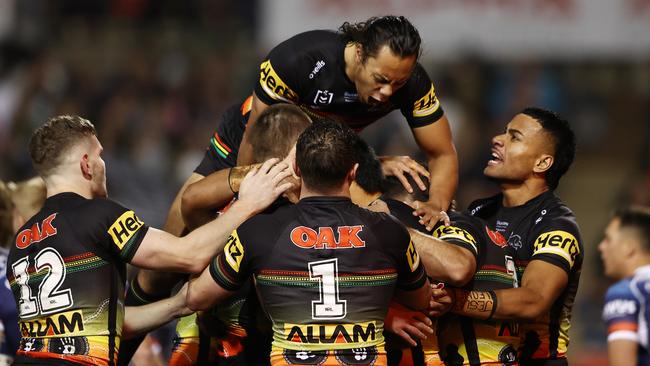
<point>564,142</point>
<point>325,153</point>
<point>393,188</point>
<point>50,142</point>
<point>276,130</point>
<point>637,218</point>
<point>369,174</point>
<point>394,31</point>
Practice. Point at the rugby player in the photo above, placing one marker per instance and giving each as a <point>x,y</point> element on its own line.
<point>355,76</point>
<point>283,123</point>
<point>325,269</point>
<point>625,251</point>
<point>68,262</point>
<point>536,243</point>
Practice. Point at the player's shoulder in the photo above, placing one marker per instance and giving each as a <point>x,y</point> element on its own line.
<point>620,289</point>
<point>556,215</point>
<point>484,207</point>
<point>276,215</point>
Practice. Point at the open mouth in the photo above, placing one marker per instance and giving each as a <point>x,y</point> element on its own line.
<point>495,158</point>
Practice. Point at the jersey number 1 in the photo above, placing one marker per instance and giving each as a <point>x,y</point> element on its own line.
<point>50,298</point>
<point>329,306</point>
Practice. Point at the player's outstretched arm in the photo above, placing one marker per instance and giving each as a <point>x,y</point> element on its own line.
<point>444,262</point>
<point>417,299</point>
<point>201,198</point>
<point>211,193</point>
<point>160,250</point>
<point>203,292</point>
<point>142,319</point>
<point>542,284</point>
<point>436,142</point>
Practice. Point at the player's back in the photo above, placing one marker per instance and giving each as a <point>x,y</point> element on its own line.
<point>626,311</point>
<point>326,271</point>
<point>67,273</point>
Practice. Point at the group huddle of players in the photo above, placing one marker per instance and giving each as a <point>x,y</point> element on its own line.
<point>320,252</point>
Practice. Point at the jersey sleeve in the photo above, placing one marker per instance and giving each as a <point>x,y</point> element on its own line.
<point>558,242</point>
<point>122,230</point>
<point>223,145</point>
<point>420,105</point>
<point>621,312</point>
<point>230,268</point>
<point>463,232</point>
<point>410,272</point>
<point>278,81</point>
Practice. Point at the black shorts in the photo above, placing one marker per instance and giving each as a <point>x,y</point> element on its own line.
<point>223,147</point>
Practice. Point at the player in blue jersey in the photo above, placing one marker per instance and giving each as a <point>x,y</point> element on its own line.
<point>625,251</point>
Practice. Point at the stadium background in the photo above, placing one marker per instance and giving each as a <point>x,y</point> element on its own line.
<point>154,76</point>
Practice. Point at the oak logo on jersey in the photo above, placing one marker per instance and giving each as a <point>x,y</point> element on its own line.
<point>308,238</point>
<point>330,333</point>
<point>56,325</point>
<point>426,105</point>
<point>412,257</point>
<point>124,228</point>
<point>560,243</point>
<point>36,233</point>
<point>273,85</point>
<point>453,232</point>
<point>234,251</point>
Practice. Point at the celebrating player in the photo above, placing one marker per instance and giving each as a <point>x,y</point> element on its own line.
<point>325,269</point>
<point>68,262</point>
<point>534,247</point>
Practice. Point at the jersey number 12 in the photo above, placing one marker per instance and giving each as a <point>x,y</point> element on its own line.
<point>50,298</point>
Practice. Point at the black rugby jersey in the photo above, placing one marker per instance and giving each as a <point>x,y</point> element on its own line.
<point>309,70</point>
<point>67,271</point>
<point>464,231</point>
<point>544,228</point>
<point>325,271</point>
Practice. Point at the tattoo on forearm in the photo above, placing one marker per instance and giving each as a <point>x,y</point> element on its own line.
<point>475,304</point>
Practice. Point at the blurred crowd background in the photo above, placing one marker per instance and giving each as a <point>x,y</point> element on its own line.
<point>155,76</point>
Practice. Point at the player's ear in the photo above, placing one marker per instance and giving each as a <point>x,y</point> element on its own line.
<point>543,164</point>
<point>358,55</point>
<point>84,165</point>
<point>352,174</point>
<point>296,169</point>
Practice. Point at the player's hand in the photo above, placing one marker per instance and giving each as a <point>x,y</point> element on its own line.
<point>290,159</point>
<point>442,299</point>
<point>408,324</point>
<point>430,213</point>
<point>261,186</point>
<point>400,166</point>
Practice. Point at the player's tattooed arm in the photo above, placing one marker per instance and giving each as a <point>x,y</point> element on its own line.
<point>474,304</point>
<point>542,283</point>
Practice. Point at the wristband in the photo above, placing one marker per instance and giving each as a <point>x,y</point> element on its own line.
<point>229,182</point>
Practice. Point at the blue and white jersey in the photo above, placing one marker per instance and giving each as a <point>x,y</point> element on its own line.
<point>9,334</point>
<point>626,311</point>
